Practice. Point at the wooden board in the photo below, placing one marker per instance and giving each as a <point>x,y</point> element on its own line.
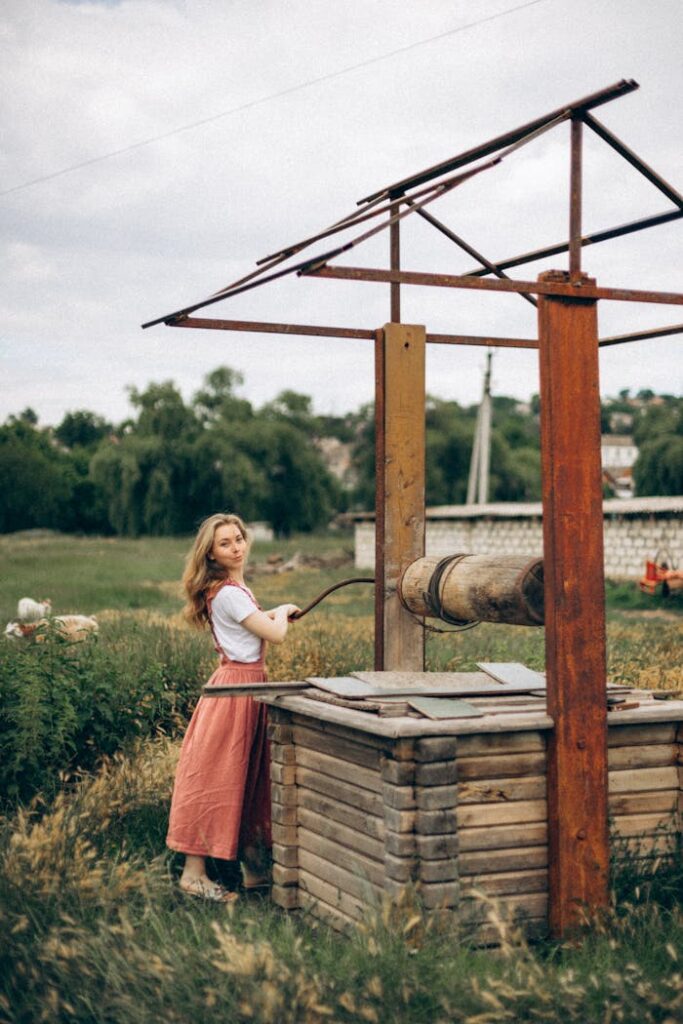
<point>365,869</point>
<point>337,768</point>
<point>328,811</point>
<point>441,707</point>
<point>508,883</point>
<point>481,862</point>
<point>341,791</point>
<point>357,753</point>
<point>349,882</point>
<point>503,837</point>
<point>518,811</point>
<point>400,463</point>
<point>267,689</point>
<point>513,673</point>
<point>349,838</point>
<point>437,684</point>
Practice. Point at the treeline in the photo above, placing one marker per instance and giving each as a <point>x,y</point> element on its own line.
<point>162,470</point>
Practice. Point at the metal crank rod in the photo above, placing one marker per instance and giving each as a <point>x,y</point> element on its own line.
<point>327,592</point>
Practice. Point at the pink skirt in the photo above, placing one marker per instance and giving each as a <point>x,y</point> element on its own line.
<point>221,796</point>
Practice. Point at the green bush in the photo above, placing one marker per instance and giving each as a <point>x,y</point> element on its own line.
<point>64,705</point>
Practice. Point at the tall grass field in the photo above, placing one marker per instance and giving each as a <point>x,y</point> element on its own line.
<point>92,925</point>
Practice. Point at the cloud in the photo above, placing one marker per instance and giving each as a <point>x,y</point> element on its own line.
<point>87,257</point>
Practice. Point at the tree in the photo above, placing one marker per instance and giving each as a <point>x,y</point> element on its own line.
<point>82,429</point>
<point>217,399</point>
<point>36,481</point>
<point>659,435</point>
<point>162,412</point>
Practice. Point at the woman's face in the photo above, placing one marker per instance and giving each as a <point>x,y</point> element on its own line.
<point>229,548</point>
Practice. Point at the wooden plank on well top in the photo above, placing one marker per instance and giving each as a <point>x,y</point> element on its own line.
<point>437,684</point>
<point>514,673</point>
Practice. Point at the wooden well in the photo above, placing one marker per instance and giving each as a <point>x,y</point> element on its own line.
<point>364,805</point>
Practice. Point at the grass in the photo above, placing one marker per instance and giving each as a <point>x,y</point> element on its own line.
<point>94,929</point>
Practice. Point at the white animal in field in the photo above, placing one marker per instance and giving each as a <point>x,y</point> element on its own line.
<point>20,630</point>
<point>29,610</point>
<point>76,627</point>
<point>71,627</point>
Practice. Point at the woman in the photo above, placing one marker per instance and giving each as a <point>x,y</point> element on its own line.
<point>221,797</point>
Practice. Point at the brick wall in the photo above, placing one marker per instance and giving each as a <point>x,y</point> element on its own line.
<point>634,530</point>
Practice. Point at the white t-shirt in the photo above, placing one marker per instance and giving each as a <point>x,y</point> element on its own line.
<point>231,605</point>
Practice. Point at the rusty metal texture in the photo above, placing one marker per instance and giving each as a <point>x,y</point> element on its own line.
<point>318,330</point>
<point>575,176</point>
<point>623,150</point>
<point>544,287</point>
<point>595,99</point>
<point>592,239</point>
<point>469,249</point>
<point>261,327</point>
<point>654,332</point>
<point>395,264</point>
<point>324,331</point>
<point>574,607</point>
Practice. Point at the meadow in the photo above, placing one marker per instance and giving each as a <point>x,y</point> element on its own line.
<point>93,926</point>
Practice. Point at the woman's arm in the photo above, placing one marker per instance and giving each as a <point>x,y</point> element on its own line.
<point>271,625</point>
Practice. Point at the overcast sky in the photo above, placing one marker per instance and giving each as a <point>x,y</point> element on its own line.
<point>89,255</point>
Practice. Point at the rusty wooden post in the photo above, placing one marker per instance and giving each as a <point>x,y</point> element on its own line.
<point>400,489</point>
<point>574,605</point>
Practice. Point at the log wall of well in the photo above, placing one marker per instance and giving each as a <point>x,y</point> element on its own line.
<point>357,815</point>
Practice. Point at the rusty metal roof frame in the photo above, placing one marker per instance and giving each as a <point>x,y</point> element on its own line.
<point>576,759</point>
<point>411,195</point>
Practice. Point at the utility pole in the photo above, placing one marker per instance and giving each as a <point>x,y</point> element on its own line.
<point>480,463</point>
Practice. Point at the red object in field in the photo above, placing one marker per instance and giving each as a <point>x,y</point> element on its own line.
<point>655,572</point>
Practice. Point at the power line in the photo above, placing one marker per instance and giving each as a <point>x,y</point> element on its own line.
<point>265,99</point>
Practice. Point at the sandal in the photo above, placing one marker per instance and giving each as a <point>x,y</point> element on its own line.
<point>211,892</point>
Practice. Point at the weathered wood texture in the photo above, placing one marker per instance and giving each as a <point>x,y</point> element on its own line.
<point>489,588</point>
<point>463,818</point>
<point>284,811</point>
<point>574,605</point>
<point>400,447</point>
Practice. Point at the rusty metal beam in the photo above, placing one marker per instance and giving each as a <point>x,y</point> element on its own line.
<point>575,183</point>
<point>623,150</point>
<point>592,239</point>
<point>558,288</point>
<point>578,846</point>
<point>261,327</point>
<point>315,330</point>
<point>654,332</point>
<point>469,249</point>
<point>474,339</point>
<point>543,287</point>
<point>595,99</point>
<point>318,330</point>
<point>395,264</point>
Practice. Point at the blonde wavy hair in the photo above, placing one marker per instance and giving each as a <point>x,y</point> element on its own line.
<point>202,574</point>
